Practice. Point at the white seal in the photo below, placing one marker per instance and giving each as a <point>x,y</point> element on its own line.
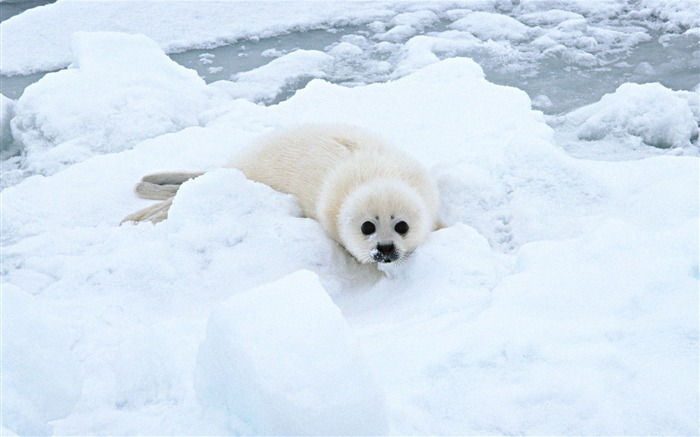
<point>371,198</point>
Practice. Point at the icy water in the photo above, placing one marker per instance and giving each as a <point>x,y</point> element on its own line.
<point>555,82</point>
<point>222,63</point>
<point>675,65</point>
<point>10,8</point>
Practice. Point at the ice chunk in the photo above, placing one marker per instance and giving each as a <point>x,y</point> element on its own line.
<point>548,17</point>
<point>418,19</point>
<point>41,380</point>
<point>541,101</point>
<point>282,359</point>
<point>345,50</point>
<point>658,116</point>
<point>7,111</point>
<point>486,25</point>
<point>122,89</point>
<point>263,84</point>
<point>407,25</point>
<point>676,15</point>
<point>600,8</point>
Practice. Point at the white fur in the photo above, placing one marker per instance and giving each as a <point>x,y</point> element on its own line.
<point>343,177</point>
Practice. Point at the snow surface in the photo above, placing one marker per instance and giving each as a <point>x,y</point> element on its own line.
<point>633,121</point>
<point>255,362</point>
<point>561,297</point>
<point>656,115</point>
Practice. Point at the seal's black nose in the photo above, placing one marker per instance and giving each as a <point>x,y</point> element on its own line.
<point>385,249</point>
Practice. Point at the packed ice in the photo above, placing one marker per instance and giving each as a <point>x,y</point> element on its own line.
<point>560,297</point>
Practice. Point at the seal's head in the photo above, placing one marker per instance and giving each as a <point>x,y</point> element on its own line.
<point>383,221</point>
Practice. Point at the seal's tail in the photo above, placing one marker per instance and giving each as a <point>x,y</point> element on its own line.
<point>159,186</point>
<point>162,186</point>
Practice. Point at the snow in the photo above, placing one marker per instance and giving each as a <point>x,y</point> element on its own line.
<point>670,123</point>
<point>635,116</point>
<point>560,298</point>
<point>254,363</point>
<point>41,378</point>
<point>679,15</point>
<point>407,25</point>
<point>487,25</point>
<point>58,130</point>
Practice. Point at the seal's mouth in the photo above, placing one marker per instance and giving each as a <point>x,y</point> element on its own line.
<point>382,257</point>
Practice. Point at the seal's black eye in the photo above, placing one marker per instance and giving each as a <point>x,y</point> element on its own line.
<point>401,227</point>
<point>368,228</point>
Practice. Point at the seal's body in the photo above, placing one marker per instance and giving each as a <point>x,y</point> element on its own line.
<point>371,198</point>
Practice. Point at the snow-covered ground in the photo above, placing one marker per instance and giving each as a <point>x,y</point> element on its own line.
<point>561,298</point>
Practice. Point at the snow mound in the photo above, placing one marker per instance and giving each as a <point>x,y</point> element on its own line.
<point>40,383</point>
<point>207,198</point>
<point>130,90</point>
<point>481,130</point>
<point>653,114</point>
<point>422,286</point>
<point>255,364</point>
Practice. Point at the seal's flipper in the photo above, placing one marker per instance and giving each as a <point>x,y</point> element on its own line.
<point>154,213</point>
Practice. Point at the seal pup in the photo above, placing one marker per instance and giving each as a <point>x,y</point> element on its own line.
<point>373,199</point>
